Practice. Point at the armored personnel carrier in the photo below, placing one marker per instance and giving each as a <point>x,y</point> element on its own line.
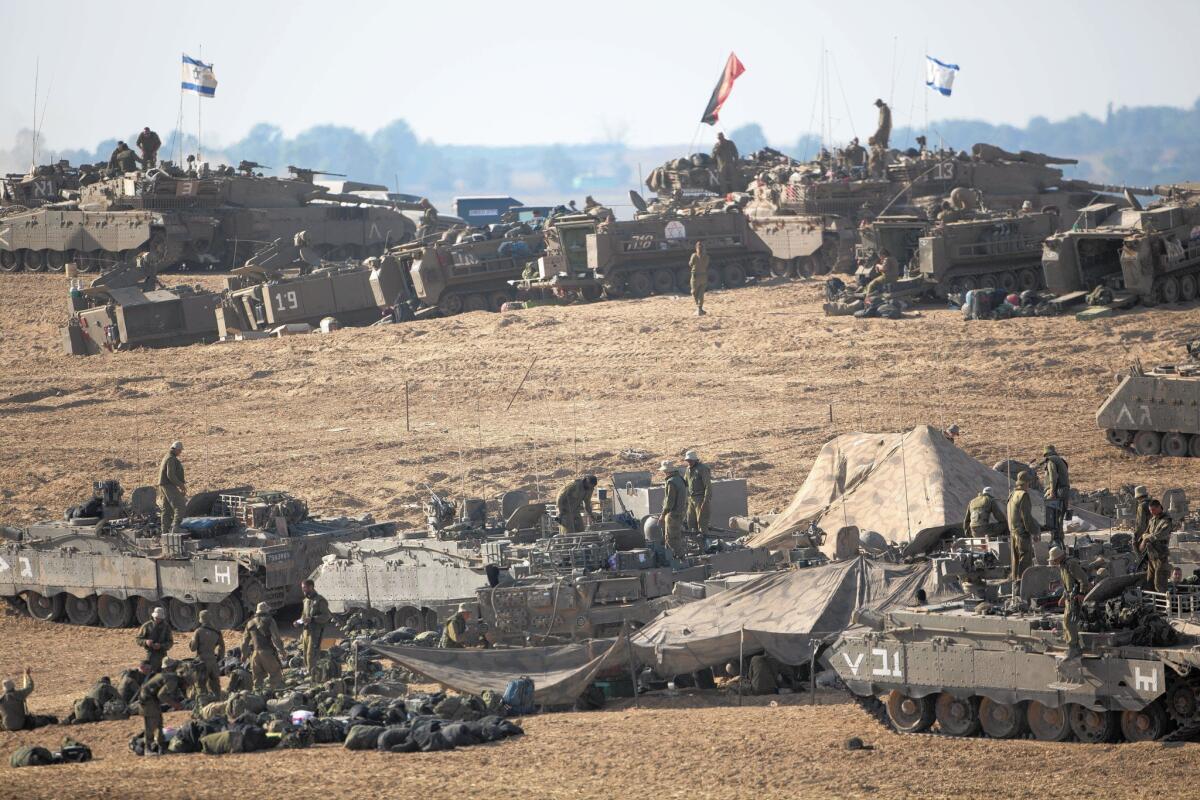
<point>989,250</point>
<point>108,562</point>
<point>1154,413</point>
<point>215,220</point>
<point>1004,674</point>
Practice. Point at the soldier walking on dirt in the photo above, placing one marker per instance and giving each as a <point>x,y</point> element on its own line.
<point>1022,528</point>
<point>313,618</point>
<point>155,638</point>
<point>172,489</point>
<point>209,646</point>
<point>699,486</point>
<point>262,643</point>
<point>699,266</point>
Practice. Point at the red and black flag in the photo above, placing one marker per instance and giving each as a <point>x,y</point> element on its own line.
<point>733,69</point>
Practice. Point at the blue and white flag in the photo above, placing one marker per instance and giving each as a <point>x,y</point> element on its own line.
<point>198,77</point>
<point>939,76</point>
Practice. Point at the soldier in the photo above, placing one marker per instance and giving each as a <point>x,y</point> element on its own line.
<point>148,142</point>
<point>674,507</point>
<point>155,637</point>
<point>984,517</point>
<point>172,489</point>
<point>131,682</point>
<point>1075,585</point>
<point>122,159</point>
<point>883,131</point>
<point>1058,492</point>
<point>855,155</point>
<point>1022,528</point>
<point>1156,546</point>
<point>699,486</point>
<point>262,641</point>
<point>167,687</point>
<point>209,646</point>
<point>589,203</point>
<point>699,266</point>
<point>885,272</point>
<point>1141,516</point>
<point>14,715</point>
<point>313,618</point>
<point>575,501</point>
<point>725,153</point>
<point>1026,208</point>
<point>454,631</point>
<point>952,433</point>
<point>103,692</point>
<point>429,219</point>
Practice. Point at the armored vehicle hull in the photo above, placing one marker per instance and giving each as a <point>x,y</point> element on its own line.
<point>467,276</point>
<point>240,548</point>
<point>991,251</point>
<point>1004,676</point>
<point>1155,413</point>
<point>46,239</point>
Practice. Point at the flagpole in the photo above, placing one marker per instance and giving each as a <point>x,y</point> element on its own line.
<point>199,122</point>
<point>925,127</point>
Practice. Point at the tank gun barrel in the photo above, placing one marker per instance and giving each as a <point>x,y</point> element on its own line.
<point>1110,188</point>
<point>304,172</point>
<point>366,201</point>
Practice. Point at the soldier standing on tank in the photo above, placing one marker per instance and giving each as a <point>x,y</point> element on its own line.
<point>674,508</point>
<point>1058,492</point>
<point>122,159</point>
<point>1156,546</point>
<point>699,266</point>
<point>855,155</point>
<point>148,142</point>
<point>699,486</point>
<point>725,153</point>
<point>155,638</point>
<point>172,489</point>
<point>168,687</point>
<point>1075,585</point>
<point>314,616</point>
<point>984,517</point>
<point>263,643</point>
<point>1022,529</point>
<point>209,646</point>
<point>1141,516</point>
<point>574,502</point>
<point>883,131</point>
<point>429,219</point>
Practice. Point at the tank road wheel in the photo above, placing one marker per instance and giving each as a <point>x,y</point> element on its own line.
<point>1194,445</point>
<point>496,300</point>
<point>86,262</point>
<point>781,268</point>
<point>1168,290</point>
<point>664,281</point>
<point>683,280</point>
<point>183,616</point>
<point>989,281</point>
<point>9,262</point>
<point>734,275</point>
<point>1049,724</point>
<point>957,716</point>
<point>1121,438</point>
<point>909,714</point>
<point>33,260</point>
<point>56,260</point>
<point>639,284</point>
<point>227,614</point>
<point>1094,727</point>
<point>47,609</point>
<point>409,617</point>
<point>81,610</point>
<point>1175,444</point>
<point>1145,725</point>
<point>114,612</point>
<point>714,279</point>
<point>1007,281</point>
<point>1001,720</point>
<point>451,304</point>
<point>1028,279</point>
<point>374,618</point>
<point>475,302</point>
<point>1181,702</point>
<point>1147,443</point>
<point>1187,288</point>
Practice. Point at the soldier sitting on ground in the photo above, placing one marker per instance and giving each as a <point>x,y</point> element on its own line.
<point>14,715</point>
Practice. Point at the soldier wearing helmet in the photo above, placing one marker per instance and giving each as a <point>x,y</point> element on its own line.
<point>1156,544</point>
<point>1075,584</point>
<point>675,494</point>
<point>155,638</point>
<point>984,517</point>
<point>261,645</point>
<point>1141,515</point>
<point>1022,528</point>
<point>699,486</point>
<point>172,489</point>
<point>574,503</point>
<point>1058,492</point>
<point>454,631</point>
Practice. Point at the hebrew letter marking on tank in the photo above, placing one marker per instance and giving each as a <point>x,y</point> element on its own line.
<point>221,574</point>
<point>894,672</point>
<point>853,665</point>
<point>1147,683</point>
<point>1127,414</point>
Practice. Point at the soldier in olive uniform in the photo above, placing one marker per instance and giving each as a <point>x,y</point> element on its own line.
<point>1156,544</point>
<point>313,618</point>
<point>263,643</point>
<point>429,219</point>
<point>984,516</point>
<point>699,266</point>
<point>1058,492</point>
<point>1022,529</point>
<point>725,153</point>
<point>167,687</point>
<point>574,503</point>
<point>885,272</point>
<point>148,142</point>
<point>209,646</point>
<point>699,486</point>
<point>123,159</point>
<point>855,155</point>
<point>675,495</point>
<point>14,716</point>
<point>883,131</point>
<point>1141,516</point>
<point>155,637</point>
<point>172,489</point>
<point>1076,584</point>
<point>454,630</point>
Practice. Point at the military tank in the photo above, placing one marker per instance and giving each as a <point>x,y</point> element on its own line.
<point>211,220</point>
<point>108,563</point>
<point>1005,675</point>
<point>1154,412</point>
<point>986,251</point>
<point>47,183</point>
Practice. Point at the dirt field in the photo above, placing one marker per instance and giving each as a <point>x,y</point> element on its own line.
<point>614,386</point>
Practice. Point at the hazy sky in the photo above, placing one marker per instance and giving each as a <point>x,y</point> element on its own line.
<point>515,73</point>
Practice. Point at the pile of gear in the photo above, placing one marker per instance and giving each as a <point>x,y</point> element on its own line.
<point>1001,304</point>
<point>842,300</point>
<point>32,755</point>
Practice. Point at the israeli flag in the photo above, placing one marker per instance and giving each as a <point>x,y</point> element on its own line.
<point>198,77</point>
<point>939,76</point>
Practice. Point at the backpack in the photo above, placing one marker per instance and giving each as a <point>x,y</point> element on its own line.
<point>30,756</point>
<point>86,710</point>
<point>73,752</point>
<point>518,696</point>
<point>115,710</point>
<point>363,737</point>
<point>218,744</point>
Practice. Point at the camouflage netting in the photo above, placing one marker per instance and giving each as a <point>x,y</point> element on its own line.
<point>908,487</point>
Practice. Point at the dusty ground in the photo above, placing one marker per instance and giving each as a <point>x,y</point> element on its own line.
<point>750,386</point>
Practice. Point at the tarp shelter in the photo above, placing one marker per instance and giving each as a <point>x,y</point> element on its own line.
<point>908,487</point>
<point>560,673</point>
<point>785,614</point>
